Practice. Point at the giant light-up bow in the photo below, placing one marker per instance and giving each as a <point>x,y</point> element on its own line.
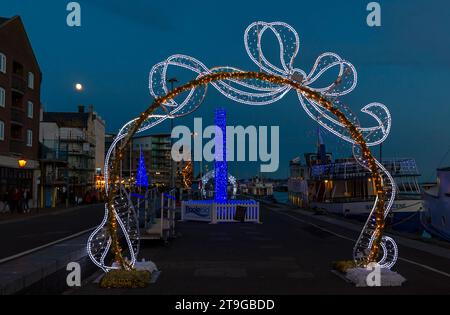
<point>251,89</point>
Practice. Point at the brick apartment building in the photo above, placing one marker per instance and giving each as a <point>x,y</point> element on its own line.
<point>20,84</point>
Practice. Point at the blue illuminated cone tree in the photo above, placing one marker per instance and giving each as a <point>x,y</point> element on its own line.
<point>141,176</point>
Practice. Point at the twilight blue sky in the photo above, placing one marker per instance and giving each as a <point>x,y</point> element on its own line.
<point>404,64</point>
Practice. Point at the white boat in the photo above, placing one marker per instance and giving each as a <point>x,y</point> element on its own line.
<point>345,188</point>
<point>257,187</point>
<point>436,217</point>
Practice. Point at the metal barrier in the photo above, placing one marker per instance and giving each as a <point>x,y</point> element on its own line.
<point>210,211</point>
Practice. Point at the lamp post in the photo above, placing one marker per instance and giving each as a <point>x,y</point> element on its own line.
<point>172,81</point>
<point>78,88</point>
<point>22,163</point>
<point>195,134</point>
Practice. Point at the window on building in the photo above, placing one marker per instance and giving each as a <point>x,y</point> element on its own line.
<point>30,109</point>
<point>2,130</point>
<point>30,80</point>
<point>29,138</point>
<point>2,63</point>
<point>2,97</point>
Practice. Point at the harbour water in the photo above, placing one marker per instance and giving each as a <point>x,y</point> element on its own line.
<point>281,196</point>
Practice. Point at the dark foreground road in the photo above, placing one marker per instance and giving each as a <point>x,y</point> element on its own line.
<point>284,255</point>
<point>25,234</point>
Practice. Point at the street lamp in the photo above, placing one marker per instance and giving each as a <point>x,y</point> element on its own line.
<point>172,81</point>
<point>22,162</point>
<point>78,88</point>
<point>195,134</point>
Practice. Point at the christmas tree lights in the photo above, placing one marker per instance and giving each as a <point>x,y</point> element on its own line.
<point>141,176</point>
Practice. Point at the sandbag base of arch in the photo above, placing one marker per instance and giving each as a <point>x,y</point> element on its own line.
<point>143,274</point>
<point>367,277</point>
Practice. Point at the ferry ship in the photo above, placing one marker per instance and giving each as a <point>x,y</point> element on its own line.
<point>436,216</point>
<point>344,187</point>
<point>257,187</point>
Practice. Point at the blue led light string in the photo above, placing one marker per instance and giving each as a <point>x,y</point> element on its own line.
<point>221,167</point>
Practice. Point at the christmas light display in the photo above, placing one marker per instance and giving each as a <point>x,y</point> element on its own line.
<point>187,174</point>
<point>141,176</point>
<point>268,86</point>
<point>212,175</point>
<point>221,165</point>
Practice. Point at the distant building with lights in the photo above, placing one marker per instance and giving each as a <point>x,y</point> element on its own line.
<point>72,153</point>
<point>20,86</point>
<point>156,150</point>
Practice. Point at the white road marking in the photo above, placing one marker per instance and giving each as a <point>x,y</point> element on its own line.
<point>443,273</point>
<point>30,251</point>
<point>425,267</point>
<point>40,234</point>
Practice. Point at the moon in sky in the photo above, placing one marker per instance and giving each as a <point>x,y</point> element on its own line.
<point>78,86</point>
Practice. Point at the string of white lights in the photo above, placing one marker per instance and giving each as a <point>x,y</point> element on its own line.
<point>367,237</point>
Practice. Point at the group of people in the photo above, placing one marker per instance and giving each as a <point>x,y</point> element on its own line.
<point>17,200</point>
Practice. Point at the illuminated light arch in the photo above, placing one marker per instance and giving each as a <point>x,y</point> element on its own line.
<point>257,88</point>
<point>211,175</point>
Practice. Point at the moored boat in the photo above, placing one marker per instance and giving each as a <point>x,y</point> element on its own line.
<point>345,188</point>
<point>436,215</point>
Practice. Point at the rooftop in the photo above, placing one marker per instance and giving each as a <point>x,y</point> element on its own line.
<point>3,20</point>
<point>77,120</point>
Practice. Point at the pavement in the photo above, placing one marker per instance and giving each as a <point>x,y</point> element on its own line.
<point>290,253</point>
<point>37,248</point>
<point>29,233</point>
<point>44,271</point>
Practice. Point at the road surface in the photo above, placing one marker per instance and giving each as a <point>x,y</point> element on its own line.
<point>289,253</point>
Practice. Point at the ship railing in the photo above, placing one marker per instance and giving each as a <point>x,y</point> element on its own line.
<point>347,199</point>
<point>397,167</point>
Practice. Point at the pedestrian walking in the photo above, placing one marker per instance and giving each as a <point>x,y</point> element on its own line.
<point>14,198</point>
<point>21,200</point>
<point>26,201</point>
<point>5,206</point>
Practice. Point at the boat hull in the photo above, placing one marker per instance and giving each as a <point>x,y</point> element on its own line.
<point>405,214</point>
<point>436,216</point>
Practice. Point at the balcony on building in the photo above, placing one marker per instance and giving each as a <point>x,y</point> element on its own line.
<point>80,138</point>
<point>18,82</point>
<point>51,153</point>
<point>16,146</point>
<point>55,180</point>
<point>17,115</point>
<point>86,154</point>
